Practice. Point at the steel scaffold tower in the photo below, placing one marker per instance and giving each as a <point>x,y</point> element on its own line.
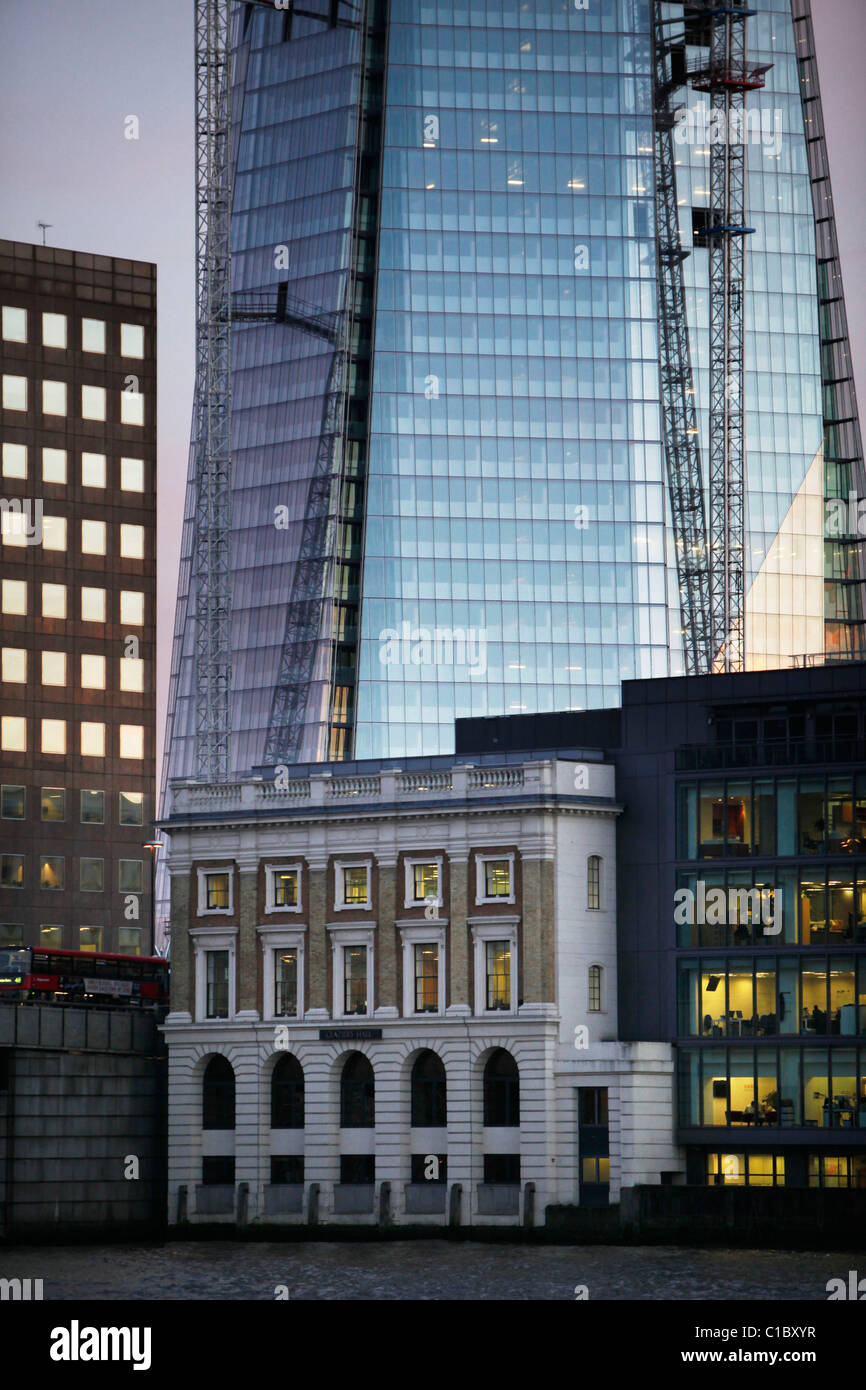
<point>679,414</point>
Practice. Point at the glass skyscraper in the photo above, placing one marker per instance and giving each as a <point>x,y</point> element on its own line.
<point>445,273</point>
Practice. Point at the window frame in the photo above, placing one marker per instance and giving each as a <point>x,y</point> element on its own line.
<point>422,934</point>
<point>201,875</point>
<point>485,929</point>
<point>343,936</point>
<point>409,864</point>
<point>272,940</point>
<point>481,859</point>
<point>204,940</point>
<point>271,871</point>
<point>340,865</point>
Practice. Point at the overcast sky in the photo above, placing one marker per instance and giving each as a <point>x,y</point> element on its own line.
<point>72,70</point>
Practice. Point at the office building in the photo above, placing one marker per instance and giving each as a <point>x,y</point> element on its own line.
<point>77,611</point>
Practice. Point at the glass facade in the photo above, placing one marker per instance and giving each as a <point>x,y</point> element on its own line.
<point>470,186</point>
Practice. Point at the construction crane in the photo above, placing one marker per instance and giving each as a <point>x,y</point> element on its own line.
<point>211,558</point>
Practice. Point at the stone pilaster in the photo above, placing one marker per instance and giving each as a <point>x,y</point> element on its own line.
<point>458,963</point>
<point>181,952</point>
<point>248,950</point>
<point>537,929</point>
<point>317,943</point>
<point>387,992</point>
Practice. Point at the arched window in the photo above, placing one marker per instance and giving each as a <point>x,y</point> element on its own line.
<point>357,1094</point>
<point>218,1095</point>
<point>501,1089</point>
<point>287,1094</point>
<point>428,1092</point>
<point>593,1002</point>
<point>593,881</point>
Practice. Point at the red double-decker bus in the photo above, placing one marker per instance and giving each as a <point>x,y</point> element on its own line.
<point>82,977</point>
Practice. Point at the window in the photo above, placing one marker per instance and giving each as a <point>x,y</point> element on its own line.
<point>286,983</point>
<point>54,600</point>
<point>52,871</point>
<point>14,324</point>
<point>425,882</point>
<point>53,668</point>
<point>92,605</point>
<point>54,330</point>
<point>129,941</point>
<point>287,1094</point>
<point>501,1090</point>
<point>356,885</point>
<point>218,1095</point>
<point>594,989</point>
<point>287,1168</point>
<point>11,934</point>
<point>11,870</point>
<point>14,460</point>
<point>53,736</point>
<point>215,890</point>
<point>13,733</point>
<point>90,938</point>
<point>92,808</point>
<point>92,672</point>
<point>93,470</point>
<point>16,522</point>
<point>282,888</point>
<point>593,881</point>
<point>93,402</point>
<point>357,1093</point>
<point>131,741</point>
<point>53,533</point>
<point>131,673</point>
<point>93,537</point>
<point>14,596</point>
<point>13,803</point>
<point>217,980</point>
<point>130,875</point>
<point>131,340</point>
<point>131,542</point>
<point>132,475</point>
<point>131,808</point>
<point>92,335</point>
<point>131,408</point>
<point>51,936</point>
<point>91,875</point>
<point>429,1090</point>
<point>498,974</point>
<point>14,392</point>
<point>426,978</point>
<point>13,665</point>
<point>131,608</point>
<point>502,1169</point>
<point>92,740</point>
<point>54,398</point>
<point>54,465</point>
<point>53,803</point>
<point>494,878</point>
<point>355,979</point>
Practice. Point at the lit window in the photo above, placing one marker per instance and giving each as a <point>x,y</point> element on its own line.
<point>14,460</point>
<point>52,871</point>
<point>593,881</point>
<point>13,733</point>
<point>129,941</point>
<point>54,398</point>
<point>286,983</point>
<point>53,668</point>
<point>131,542</point>
<point>131,608</point>
<point>131,810</point>
<point>11,934</point>
<point>594,989</point>
<point>92,740</point>
<point>14,392</point>
<point>53,736</point>
<point>92,470</point>
<point>11,870</point>
<point>13,803</point>
<point>92,335</point>
<point>426,978</point>
<point>92,672</point>
<point>54,330</point>
<point>425,881</point>
<point>216,892</point>
<point>51,936</point>
<point>54,465</point>
<point>13,665</point>
<point>355,885</point>
<point>354,979</point>
<point>91,875</point>
<point>53,803</point>
<point>93,402</point>
<point>285,885</point>
<point>131,340</point>
<point>13,596</point>
<point>131,741</point>
<point>132,475</point>
<point>92,605</point>
<point>90,938</point>
<point>54,533</point>
<point>92,808</point>
<point>54,600</point>
<point>14,324</point>
<point>131,674</point>
<point>498,954</point>
<point>93,537</point>
<point>497,878</point>
<point>131,408</point>
<point>129,875</point>
<point>13,526</point>
<point>217,1003</point>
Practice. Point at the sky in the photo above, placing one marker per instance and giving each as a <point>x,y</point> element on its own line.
<point>71,71</point>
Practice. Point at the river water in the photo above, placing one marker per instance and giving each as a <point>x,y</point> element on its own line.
<point>429,1269</point>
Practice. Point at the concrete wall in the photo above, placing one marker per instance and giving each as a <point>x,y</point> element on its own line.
<point>82,1092</point>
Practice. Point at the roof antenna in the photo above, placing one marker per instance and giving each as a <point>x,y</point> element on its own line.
<point>44,226</point>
